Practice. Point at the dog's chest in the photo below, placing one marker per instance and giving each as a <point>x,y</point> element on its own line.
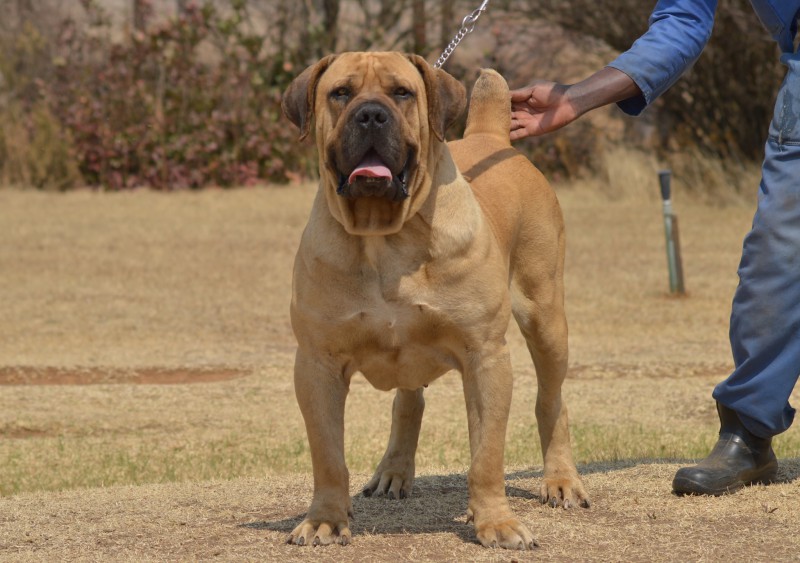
<point>394,311</point>
<point>398,336</point>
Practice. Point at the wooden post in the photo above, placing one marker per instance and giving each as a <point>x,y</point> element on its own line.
<point>674,261</point>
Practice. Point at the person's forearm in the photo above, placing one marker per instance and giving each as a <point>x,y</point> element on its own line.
<point>604,87</point>
<point>678,31</point>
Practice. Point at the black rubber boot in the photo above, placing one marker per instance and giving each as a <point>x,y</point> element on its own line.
<point>739,458</point>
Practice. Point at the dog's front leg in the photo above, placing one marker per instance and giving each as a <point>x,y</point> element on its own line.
<point>394,476</point>
<point>487,390</point>
<point>321,392</point>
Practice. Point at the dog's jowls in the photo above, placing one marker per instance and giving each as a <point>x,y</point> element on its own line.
<point>416,255</point>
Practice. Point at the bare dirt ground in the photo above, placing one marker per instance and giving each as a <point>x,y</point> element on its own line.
<point>147,410</point>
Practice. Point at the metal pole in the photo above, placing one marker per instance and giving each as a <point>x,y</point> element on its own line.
<point>674,262</point>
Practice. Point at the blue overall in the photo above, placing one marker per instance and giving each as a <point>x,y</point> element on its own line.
<point>765,316</point>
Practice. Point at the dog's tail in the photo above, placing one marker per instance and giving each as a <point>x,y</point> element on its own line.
<point>489,107</point>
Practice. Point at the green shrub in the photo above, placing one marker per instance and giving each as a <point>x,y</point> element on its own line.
<point>190,103</point>
<point>722,106</point>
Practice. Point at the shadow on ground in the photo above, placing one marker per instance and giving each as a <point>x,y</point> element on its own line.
<point>439,502</point>
<point>437,505</point>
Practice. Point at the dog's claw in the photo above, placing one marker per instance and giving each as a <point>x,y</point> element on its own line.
<point>367,492</point>
<point>301,541</point>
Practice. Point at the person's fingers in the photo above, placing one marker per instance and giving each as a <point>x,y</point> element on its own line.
<point>524,127</point>
<point>521,114</point>
<point>518,119</point>
<point>515,124</point>
<point>526,120</point>
<point>518,134</point>
<point>521,95</point>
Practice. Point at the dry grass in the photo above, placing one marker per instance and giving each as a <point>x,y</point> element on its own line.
<point>118,285</point>
<point>634,518</point>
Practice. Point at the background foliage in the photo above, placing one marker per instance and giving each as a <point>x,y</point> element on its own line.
<point>724,104</point>
<point>183,94</point>
<point>192,102</point>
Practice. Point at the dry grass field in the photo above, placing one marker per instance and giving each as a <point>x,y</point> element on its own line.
<point>147,410</point>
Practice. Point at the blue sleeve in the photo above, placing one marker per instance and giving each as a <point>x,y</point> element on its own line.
<point>679,30</point>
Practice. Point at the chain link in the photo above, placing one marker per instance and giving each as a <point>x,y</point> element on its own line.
<point>467,27</point>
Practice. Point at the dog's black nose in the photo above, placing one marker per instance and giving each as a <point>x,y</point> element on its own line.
<point>372,115</point>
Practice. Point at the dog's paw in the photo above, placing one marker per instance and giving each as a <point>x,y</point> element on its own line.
<point>393,478</point>
<point>311,532</point>
<point>566,492</point>
<point>393,483</point>
<point>508,533</point>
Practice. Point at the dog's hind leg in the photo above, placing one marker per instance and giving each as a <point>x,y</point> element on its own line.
<point>538,307</point>
<point>394,476</point>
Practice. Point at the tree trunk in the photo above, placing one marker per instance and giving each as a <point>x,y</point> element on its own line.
<point>305,52</point>
<point>418,11</point>
<point>448,26</point>
<point>331,15</point>
<point>24,11</point>
<point>141,11</point>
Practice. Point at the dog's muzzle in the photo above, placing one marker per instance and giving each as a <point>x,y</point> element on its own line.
<point>372,178</point>
<point>373,160</point>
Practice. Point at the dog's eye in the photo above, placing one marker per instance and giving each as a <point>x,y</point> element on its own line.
<point>341,93</point>
<point>402,93</point>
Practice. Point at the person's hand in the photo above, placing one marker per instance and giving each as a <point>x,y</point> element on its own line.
<point>546,106</point>
<point>540,108</point>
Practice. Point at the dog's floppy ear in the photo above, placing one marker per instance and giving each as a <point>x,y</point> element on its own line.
<point>447,97</point>
<point>298,100</point>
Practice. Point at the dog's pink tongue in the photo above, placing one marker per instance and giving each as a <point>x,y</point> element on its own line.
<point>371,167</point>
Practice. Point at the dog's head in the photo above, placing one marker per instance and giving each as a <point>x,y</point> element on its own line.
<point>380,121</point>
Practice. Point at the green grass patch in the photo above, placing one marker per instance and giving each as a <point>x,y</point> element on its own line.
<point>69,462</point>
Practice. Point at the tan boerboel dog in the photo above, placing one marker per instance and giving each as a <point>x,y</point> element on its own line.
<point>416,254</point>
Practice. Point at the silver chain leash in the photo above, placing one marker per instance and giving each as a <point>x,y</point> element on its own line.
<point>467,27</point>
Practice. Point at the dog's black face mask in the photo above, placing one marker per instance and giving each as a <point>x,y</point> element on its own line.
<point>373,160</point>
